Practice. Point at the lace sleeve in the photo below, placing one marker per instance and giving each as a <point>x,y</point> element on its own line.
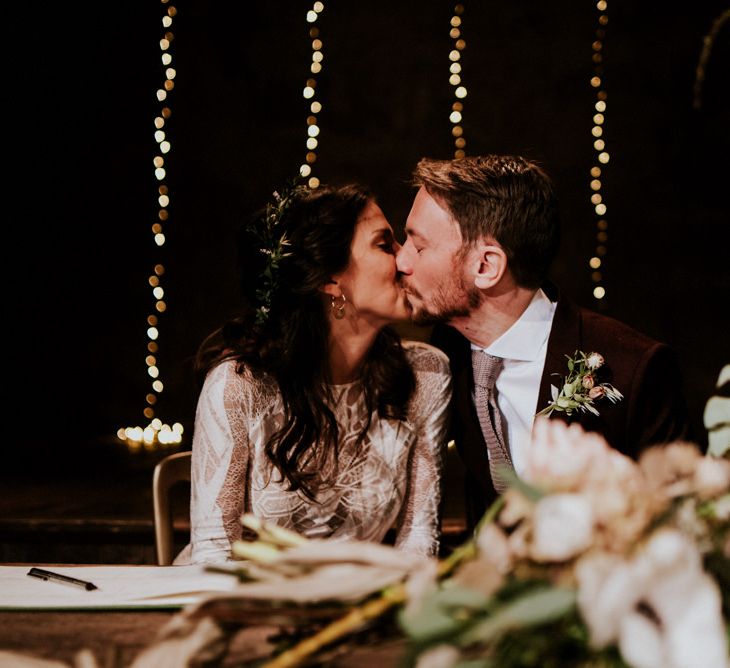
<point>418,528</point>
<point>219,465</point>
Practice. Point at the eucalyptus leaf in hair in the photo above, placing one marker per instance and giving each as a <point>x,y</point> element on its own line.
<point>272,243</point>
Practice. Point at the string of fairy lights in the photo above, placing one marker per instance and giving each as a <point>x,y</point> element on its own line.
<point>455,79</point>
<point>707,43</point>
<point>601,158</point>
<point>456,116</point>
<point>310,93</point>
<point>156,433</point>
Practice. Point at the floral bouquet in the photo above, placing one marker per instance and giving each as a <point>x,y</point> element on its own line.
<point>591,559</point>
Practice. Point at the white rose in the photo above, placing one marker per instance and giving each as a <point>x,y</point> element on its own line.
<point>692,635</point>
<point>690,631</point>
<point>607,591</point>
<point>562,527</point>
<point>640,643</point>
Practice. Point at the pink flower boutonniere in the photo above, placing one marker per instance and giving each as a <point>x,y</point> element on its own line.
<point>581,387</point>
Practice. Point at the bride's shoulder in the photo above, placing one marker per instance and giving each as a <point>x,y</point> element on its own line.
<point>238,377</point>
<point>425,357</point>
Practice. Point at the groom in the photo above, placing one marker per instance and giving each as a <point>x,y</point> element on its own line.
<point>480,238</point>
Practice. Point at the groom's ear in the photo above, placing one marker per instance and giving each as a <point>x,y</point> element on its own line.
<point>491,264</point>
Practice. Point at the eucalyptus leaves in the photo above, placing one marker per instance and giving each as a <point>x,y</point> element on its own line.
<point>581,387</point>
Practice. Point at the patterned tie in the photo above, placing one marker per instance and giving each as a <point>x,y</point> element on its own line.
<point>486,369</point>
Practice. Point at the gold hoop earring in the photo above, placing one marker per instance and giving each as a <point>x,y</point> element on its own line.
<point>338,306</point>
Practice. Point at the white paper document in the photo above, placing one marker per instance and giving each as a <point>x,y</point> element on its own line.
<point>117,587</point>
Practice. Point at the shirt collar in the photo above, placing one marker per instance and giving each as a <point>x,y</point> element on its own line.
<point>525,338</point>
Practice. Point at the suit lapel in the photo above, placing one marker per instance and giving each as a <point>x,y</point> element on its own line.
<point>566,336</point>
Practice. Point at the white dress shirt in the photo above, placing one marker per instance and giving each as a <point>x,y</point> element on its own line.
<point>523,348</point>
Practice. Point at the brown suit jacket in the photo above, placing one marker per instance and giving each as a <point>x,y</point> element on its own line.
<point>645,371</point>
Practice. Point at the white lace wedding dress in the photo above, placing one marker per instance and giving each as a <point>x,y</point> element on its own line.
<point>389,479</point>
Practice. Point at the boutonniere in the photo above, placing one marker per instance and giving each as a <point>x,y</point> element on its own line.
<point>581,387</point>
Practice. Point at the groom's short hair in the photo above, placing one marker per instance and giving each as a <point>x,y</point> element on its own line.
<point>505,197</point>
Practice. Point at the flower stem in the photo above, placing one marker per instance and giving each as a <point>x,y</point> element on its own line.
<point>390,597</point>
<point>341,627</point>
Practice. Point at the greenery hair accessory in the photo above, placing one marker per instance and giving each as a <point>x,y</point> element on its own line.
<point>272,244</point>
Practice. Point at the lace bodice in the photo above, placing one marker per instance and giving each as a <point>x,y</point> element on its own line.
<point>390,478</point>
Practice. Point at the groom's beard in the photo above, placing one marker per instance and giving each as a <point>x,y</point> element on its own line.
<point>453,299</point>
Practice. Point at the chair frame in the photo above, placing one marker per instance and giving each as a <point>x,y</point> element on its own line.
<point>169,471</point>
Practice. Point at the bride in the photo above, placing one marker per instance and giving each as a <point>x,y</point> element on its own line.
<point>313,414</point>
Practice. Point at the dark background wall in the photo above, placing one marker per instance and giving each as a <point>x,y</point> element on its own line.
<point>80,194</point>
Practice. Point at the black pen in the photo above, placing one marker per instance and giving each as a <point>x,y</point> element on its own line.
<point>57,577</point>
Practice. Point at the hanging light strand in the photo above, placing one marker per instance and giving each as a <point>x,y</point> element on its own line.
<point>156,433</point>
<point>601,158</point>
<point>707,43</point>
<point>456,80</point>
<point>310,94</point>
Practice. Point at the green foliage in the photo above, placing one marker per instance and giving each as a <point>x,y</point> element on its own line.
<point>272,244</point>
<point>526,624</point>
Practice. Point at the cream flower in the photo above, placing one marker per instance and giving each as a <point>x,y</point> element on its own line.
<point>479,575</point>
<point>685,628</point>
<point>562,527</point>
<point>440,656</point>
<point>486,572</point>
<point>493,547</point>
<point>695,639</point>
<point>560,455</point>
<point>568,459</point>
<point>594,360</point>
<point>712,477</point>
<point>607,587</point>
<point>670,469</point>
<point>621,506</point>
<point>660,607</point>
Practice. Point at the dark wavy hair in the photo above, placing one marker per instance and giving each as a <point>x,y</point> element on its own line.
<point>291,344</point>
<point>506,197</point>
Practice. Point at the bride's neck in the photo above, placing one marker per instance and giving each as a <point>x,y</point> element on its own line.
<point>347,352</point>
